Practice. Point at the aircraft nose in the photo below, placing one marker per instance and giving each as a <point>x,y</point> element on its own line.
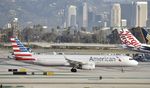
<point>135,63</point>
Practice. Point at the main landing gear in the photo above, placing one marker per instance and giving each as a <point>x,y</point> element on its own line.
<point>73,70</point>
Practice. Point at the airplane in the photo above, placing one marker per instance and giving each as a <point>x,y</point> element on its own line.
<point>146,35</point>
<point>130,42</point>
<point>87,62</point>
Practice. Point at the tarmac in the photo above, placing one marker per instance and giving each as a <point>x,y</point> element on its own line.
<point>61,77</point>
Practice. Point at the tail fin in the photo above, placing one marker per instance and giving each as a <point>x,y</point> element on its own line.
<point>20,51</point>
<point>146,35</point>
<point>128,39</point>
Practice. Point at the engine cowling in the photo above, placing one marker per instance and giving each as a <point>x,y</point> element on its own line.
<point>88,66</point>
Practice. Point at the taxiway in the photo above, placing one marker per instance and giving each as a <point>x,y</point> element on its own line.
<point>61,77</point>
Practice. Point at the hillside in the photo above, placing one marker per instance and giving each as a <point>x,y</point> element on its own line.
<point>36,11</point>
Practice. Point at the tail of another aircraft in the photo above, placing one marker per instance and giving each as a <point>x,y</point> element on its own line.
<point>20,51</point>
<point>128,39</point>
<point>146,35</point>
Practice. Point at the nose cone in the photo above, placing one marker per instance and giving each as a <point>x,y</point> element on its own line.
<point>134,63</point>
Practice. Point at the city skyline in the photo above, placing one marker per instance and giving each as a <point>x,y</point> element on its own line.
<point>137,9</point>
<point>80,22</point>
<point>88,14</point>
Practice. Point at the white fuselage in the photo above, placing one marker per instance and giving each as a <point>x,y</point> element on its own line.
<point>99,60</point>
<point>75,61</point>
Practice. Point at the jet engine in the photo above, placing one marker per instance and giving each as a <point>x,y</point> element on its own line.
<point>88,66</point>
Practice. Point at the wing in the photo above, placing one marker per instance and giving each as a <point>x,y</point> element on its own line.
<point>74,62</point>
<point>80,64</point>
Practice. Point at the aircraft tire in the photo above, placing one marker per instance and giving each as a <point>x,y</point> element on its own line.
<point>73,70</point>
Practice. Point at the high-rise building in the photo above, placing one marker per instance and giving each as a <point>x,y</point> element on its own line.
<point>79,15</point>
<point>14,27</point>
<point>124,23</point>
<point>116,15</point>
<point>141,14</point>
<point>98,20</point>
<point>91,19</point>
<point>148,9</point>
<point>148,21</point>
<point>85,15</point>
<point>72,16</point>
<point>128,13</point>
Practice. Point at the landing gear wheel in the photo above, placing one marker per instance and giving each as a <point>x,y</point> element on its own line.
<point>73,70</point>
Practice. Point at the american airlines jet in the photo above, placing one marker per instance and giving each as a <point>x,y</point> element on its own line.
<point>87,62</point>
<point>130,42</point>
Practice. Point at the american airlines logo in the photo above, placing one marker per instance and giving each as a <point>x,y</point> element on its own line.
<point>99,59</point>
<point>128,39</point>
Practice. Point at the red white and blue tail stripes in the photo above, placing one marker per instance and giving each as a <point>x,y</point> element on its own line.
<point>20,51</point>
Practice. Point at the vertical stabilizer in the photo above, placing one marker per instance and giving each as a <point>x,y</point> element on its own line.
<point>128,39</point>
<point>20,51</point>
<point>146,35</point>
